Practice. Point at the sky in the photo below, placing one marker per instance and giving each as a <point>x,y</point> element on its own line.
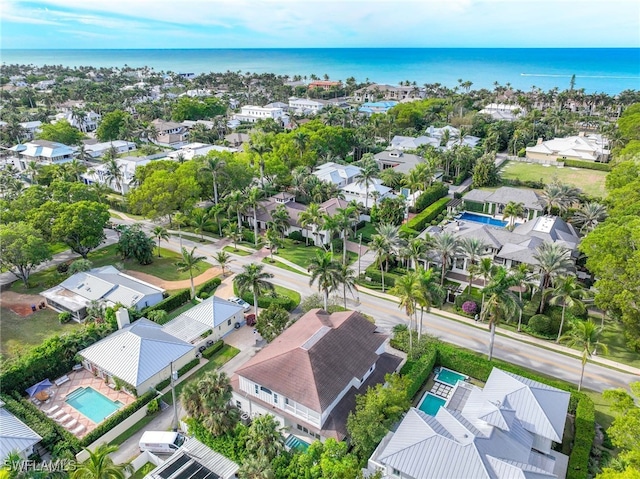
<point>314,24</point>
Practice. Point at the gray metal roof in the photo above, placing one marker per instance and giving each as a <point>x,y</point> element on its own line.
<point>136,352</point>
<point>209,314</point>
<point>15,436</point>
<point>194,459</point>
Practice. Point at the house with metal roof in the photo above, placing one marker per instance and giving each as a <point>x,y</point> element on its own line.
<point>15,436</point>
<point>309,376</point>
<point>105,285</point>
<point>195,460</point>
<point>398,160</point>
<point>502,431</point>
<point>582,147</point>
<point>43,152</point>
<point>213,314</point>
<point>370,108</point>
<point>493,202</point>
<point>141,354</point>
<point>339,175</point>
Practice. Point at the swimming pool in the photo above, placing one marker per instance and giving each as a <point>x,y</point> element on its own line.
<point>487,220</point>
<point>431,403</point>
<point>450,377</point>
<point>293,442</point>
<point>89,402</point>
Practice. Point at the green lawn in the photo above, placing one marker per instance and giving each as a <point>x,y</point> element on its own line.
<point>18,333</point>
<point>218,359</point>
<point>293,295</point>
<point>367,231</point>
<point>590,181</point>
<point>56,248</point>
<point>302,255</point>
<point>196,238</point>
<point>613,337</point>
<point>239,252</point>
<point>280,264</point>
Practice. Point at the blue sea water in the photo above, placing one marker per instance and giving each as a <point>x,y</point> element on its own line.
<point>607,70</point>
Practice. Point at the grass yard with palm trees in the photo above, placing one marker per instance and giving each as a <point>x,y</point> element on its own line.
<point>589,181</point>
<point>302,255</point>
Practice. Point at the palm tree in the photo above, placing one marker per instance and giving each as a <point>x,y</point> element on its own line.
<point>32,171</point>
<point>234,233</point>
<point>383,250</point>
<point>568,293</point>
<point>473,249</point>
<point>300,139</point>
<point>326,272</point>
<point>523,277</point>
<point>208,401</point>
<point>101,466</point>
<point>513,210</point>
<point>212,164</point>
<point>222,258</point>
<point>414,251</point>
<point>589,216</point>
<point>253,279</point>
<point>446,245</point>
<point>407,290</point>
<point>160,233</point>
<point>343,220</point>
<point>113,174</point>
<point>281,220</point>
<point>368,173</point>
<point>429,293</point>
<point>180,219</point>
<point>584,335</point>
<point>501,302</point>
<point>189,261</point>
<point>260,149</point>
<point>272,239</point>
<point>235,204</point>
<point>253,197</point>
<point>255,467</point>
<point>348,281</point>
<point>313,216</point>
<point>553,260</point>
<point>200,219</point>
<point>558,195</point>
<point>264,437</point>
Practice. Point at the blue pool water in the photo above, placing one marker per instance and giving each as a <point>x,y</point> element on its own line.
<point>430,404</point>
<point>487,220</point>
<point>92,404</point>
<point>449,377</point>
<point>293,442</point>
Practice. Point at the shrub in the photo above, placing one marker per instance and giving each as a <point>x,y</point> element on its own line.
<point>62,268</point>
<point>419,371</point>
<point>376,277</point>
<point>265,301</point>
<point>531,307</point>
<point>470,307</point>
<point>208,287</point>
<point>589,165</point>
<point>117,418</point>
<point>213,349</point>
<point>153,407</point>
<point>541,324</point>
<point>248,236</point>
<point>296,236</point>
<point>64,317</point>
<point>583,440</point>
<point>172,302</point>
<point>203,295</point>
<point>418,222</point>
<point>431,195</point>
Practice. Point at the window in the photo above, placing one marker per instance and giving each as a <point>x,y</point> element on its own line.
<point>266,390</point>
<point>229,322</point>
<point>275,398</point>
<point>299,427</point>
<point>396,472</point>
<point>257,389</point>
<point>238,404</point>
<point>286,401</point>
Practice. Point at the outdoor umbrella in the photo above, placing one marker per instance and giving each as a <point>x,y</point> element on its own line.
<point>36,388</point>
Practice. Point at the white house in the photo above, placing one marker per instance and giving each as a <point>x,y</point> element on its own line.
<point>31,128</point>
<point>43,152</point>
<point>503,111</point>
<point>377,91</point>
<point>15,436</point>
<point>309,375</point>
<point>404,143</point>
<point>214,314</point>
<point>398,160</point>
<point>89,122</point>
<point>364,195</point>
<point>449,136</point>
<point>502,431</point>
<point>252,113</point>
<point>191,150</point>
<point>339,175</point>
<point>96,150</point>
<point>582,147</point>
<point>140,354</point>
<point>305,106</point>
<point>127,166</point>
<point>106,285</point>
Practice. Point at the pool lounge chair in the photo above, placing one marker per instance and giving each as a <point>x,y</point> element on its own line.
<point>57,414</point>
<point>51,410</point>
<point>71,424</point>
<point>63,419</point>
<point>78,430</point>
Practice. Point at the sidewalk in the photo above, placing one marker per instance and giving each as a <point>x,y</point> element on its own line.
<point>512,334</point>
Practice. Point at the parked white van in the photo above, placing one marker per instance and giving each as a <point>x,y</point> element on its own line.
<point>161,442</point>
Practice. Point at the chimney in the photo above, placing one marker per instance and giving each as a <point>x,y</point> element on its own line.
<point>122,317</point>
<point>539,141</point>
<point>581,134</point>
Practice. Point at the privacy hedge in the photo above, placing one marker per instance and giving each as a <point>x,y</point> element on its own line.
<point>117,418</point>
<point>208,287</point>
<point>213,349</point>
<point>418,371</point>
<point>431,195</point>
<point>421,220</point>
<point>51,359</point>
<point>181,372</point>
<point>584,433</point>
<point>588,165</point>
<point>265,301</point>
<point>172,302</point>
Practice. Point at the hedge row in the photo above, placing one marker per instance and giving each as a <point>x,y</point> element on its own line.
<point>209,286</point>
<point>117,418</point>
<point>214,348</point>
<point>584,433</point>
<point>55,438</point>
<point>418,371</point>
<point>53,358</point>
<point>266,301</point>
<point>181,372</point>
<point>172,302</point>
<point>376,277</point>
<point>431,195</point>
<point>415,225</point>
<point>588,165</point>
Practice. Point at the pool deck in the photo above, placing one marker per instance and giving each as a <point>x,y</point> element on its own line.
<point>79,379</point>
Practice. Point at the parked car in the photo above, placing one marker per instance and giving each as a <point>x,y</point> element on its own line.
<point>241,302</point>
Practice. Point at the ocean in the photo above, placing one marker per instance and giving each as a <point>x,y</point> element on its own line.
<point>606,70</point>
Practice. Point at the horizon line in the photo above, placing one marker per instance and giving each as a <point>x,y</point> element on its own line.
<point>342,48</point>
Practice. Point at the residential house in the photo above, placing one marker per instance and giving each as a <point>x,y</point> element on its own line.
<point>105,285</point>
<point>89,121</point>
<point>197,93</point>
<point>376,92</point>
<point>367,195</point>
<point>127,165</point>
<point>43,152</point>
<point>96,150</point>
<point>251,114</point>
<point>493,202</point>
<point>503,111</point>
<point>309,376</point>
<point>213,314</point>
<point>15,436</point>
<point>398,160</point>
<point>371,108</point>
<point>502,431</point>
<point>268,206</point>
<point>44,84</point>
<point>582,147</point>
<point>339,175</point>
<point>237,140</point>
<point>325,84</point>
<point>191,123</point>
<point>449,136</point>
<point>278,104</point>
<point>170,133</point>
<point>191,150</point>
<point>31,129</point>
<point>305,106</point>
<point>404,143</point>
<point>140,353</point>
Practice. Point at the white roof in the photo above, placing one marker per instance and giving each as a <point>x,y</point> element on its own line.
<point>44,148</point>
<point>584,147</point>
<point>15,436</point>
<point>335,173</point>
<point>196,457</point>
<point>136,352</point>
<point>108,144</point>
<point>360,189</point>
<point>212,312</point>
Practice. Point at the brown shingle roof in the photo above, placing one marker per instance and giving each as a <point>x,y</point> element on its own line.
<point>314,359</point>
